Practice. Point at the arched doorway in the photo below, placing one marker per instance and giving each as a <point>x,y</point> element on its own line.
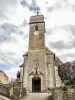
<point>36,84</point>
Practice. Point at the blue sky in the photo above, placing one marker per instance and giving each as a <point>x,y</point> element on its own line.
<point>14,30</point>
<point>4,67</point>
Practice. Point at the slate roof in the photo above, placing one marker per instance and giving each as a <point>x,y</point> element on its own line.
<point>58,61</point>
<point>21,65</point>
<point>48,51</point>
<point>26,54</point>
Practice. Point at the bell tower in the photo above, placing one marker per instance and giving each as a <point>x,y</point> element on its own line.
<point>36,32</point>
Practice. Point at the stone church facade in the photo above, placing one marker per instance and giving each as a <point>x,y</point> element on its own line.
<point>39,70</point>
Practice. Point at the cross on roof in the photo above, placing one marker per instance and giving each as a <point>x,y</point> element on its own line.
<point>37,11</point>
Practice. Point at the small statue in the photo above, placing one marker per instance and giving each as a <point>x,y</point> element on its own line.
<point>18,75</point>
<point>37,62</point>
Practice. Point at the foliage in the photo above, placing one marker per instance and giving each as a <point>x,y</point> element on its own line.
<point>66,72</point>
<point>4,90</point>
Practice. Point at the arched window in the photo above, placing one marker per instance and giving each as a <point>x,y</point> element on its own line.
<point>36,28</point>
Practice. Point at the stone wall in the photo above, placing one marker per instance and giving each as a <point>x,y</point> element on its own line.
<point>65,93</point>
<point>13,91</point>
<point>4,90</point>
<point>71,93</point>
<point>57,77</point>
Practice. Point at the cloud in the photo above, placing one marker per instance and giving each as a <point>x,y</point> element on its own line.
<point>7,6</point>
<point>12,41</point>
<point>14,29</point>
<point>72,29</point>
<point>61,45</point>
<point>9,32</point>
<point>12,50</point>
<point>32,5</point>
<point>69,54</point>
<point>13,35</point>
<point>12,72</point>
<point>59,18</point>
<point>56,4</point>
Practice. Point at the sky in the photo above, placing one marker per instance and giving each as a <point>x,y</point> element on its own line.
<point>14,30</point>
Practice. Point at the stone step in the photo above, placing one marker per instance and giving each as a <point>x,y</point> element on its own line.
<point>36,96</point>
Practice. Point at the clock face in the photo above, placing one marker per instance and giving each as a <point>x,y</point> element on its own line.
<point>36,32</point>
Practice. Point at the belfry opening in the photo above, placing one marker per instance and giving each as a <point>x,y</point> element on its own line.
<point>36,84</point>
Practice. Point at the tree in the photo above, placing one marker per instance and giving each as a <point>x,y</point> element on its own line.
<point>67,73</point>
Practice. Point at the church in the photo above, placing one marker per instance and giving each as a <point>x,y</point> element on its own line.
<point>39,70</point>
